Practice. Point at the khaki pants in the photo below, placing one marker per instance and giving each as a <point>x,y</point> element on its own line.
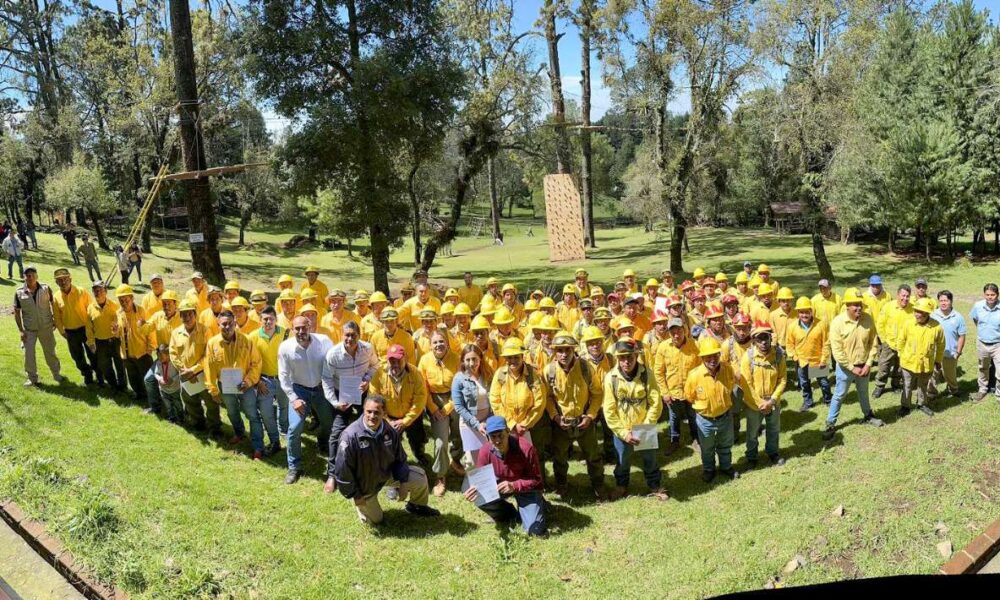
<point>888,364</point>
<point>987,353</point>
<point>948,374</point>
<point>915,382</point>
<point>369,510</point>
<point>561,444</point>
<point>48,340</point>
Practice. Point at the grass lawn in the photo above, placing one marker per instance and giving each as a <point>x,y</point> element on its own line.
<point>165,514</point>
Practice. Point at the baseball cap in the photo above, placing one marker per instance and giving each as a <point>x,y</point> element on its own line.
<point>747,263</point>
<point>31,268</point>
<point>674,322</point>
<point>875,279</point>
<point>823,283</point>
<point>155,277</point>
<point>395,351</point>
<point>197,275</point>
<point>495,424</point>
<point>921,281</point>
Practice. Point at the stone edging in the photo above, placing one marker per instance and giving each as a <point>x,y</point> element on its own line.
<point>56,555</point>
<point>976,554</point>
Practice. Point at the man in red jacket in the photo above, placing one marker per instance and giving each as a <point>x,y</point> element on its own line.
<point>519,475</point>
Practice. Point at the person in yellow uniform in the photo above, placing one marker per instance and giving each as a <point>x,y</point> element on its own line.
<point>287,306</point>
<point>503,323</point>
<point>808,345</point>
<point>709,389</point>
<point>492,291</point>
<point>673,361</point>
<point>676,309</point>
<point>420,277</point>
<point>313,282</point>
<point>405,393</point>
<point>448,315</point>
<point>438,368</point>
<point>452,295</point>
<point>209,317</point>
<point>392,334</point>
<point>852,342</point>
<point>875,296</point>
<point>575,397</point>
<point>338,314</point>
<point>697,312</point>
<point>163,324</point>
<point>921,351</point>
<point>518,393</point>
<point>628,277</point>
<point>632,398</point>
<point>103,316</point>
<point>547,306</point>
<point>586,318</point>
<point>761,310</point>
<point>231,291</point>
<point>709,288</point>
<point>310,297</point>
<point>480,330</point>
<point>652,291</point>
<point>698,275</point>
<point>272,400</point>
<point>543,352</point>
<point>187,353</point>
<point>715,324</point>
<point>732,354</point>
<point>651,342</point>
<point>742,291</point>
<point>414,306</point>
<point>763,376</point>
<point>151,303</point>
<point>731,308</point>
<point>230,349</point>
<point>362,303</point>
<point>780,316</point>
<point>667,287</point>
<point>568,311</point>
<point>602,321</point>
<point>285,282</point>
<point>509,301</point>
<point>530,308</point>
<point>246,319</point>
<point>593,344</point>
<point>890,321</point>
<point>826,303</point>
<point>198,293</point>
<point>70,304</point>
<point>310,312</point>
<point>581,281</point>
<point>598,296</point>
<point>625,329</point>
<point>722,283</point>
<point>372,322</point>
<point>463,321</point>
<point>138,344</point>
<point>258,301</point>
<point>764,272</point>
<point>423,336</point>
<point>632,308</point>
<point>470,293</point>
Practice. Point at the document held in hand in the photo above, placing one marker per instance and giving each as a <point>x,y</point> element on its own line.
<point>647,437</point>
<point>485,482</point>
<point>230,380</point>
<point>350,389</point>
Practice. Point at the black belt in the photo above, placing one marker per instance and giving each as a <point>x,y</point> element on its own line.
<point>311,389</point>
<point>719,418</point>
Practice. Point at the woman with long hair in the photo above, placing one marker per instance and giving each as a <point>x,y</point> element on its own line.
<point>470,396</point>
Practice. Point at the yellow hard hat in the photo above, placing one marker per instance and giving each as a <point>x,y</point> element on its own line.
<point>564,339</point>
<point>762,268</point>
<point>741,277</point>
<point>754,281</point>
<point>570,288</point>
<point>285,279</point>
<point>924,305</point>
<point>628,273</point>
<point>602,312</point>
<point>530,305</point>
<point>311,269</point>
<point>652,283</point>
<point>463,310</point>
<point>286,294</point>
<point>698,273</point>
<point>451,293</point>
<point>508,287</point>
<point>591,333</point>
<point>785,293</point>
<point>239,301</point>
<point>492,281</point>
<point>258,296</point>
<point>389,314</point>
<point>596,290</point>
<point>625,346</point>
<point>720,276</point>
<point>512,347</point>
<point>123,290</point>
<point>503,316</point>
<point>377,297</point>
<point>361,296</point>
<point>548,323</point>
<point>447,309</point>
<point>624,323</point>
<point>169,295</point>
<point>709,346</point>
<point>232,285</point>
<point>851,297</point>
<point>187,306</point>
<point>764,289</point>
<point>307,293</point>
<point>487,301</point>
<point>479,323</point>
<point>306,308</point>
<point>803,303</point>
<point>547,302</point>
<point>535,318</point>
<point>428,314</point>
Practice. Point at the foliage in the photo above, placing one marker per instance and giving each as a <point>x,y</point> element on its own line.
<point>79,186</point>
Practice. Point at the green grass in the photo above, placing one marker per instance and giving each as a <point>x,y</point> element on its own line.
<point>166,514</point>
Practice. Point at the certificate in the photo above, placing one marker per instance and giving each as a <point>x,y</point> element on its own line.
<point>472,440</point>
<point>350,390</point>
<point>230,380</point>
<point>485,482</point>
<point>820,371</point>
<point>647,437</point>
<point>195,386</point>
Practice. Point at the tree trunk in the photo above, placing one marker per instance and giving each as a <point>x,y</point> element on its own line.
<point>99,231</point>
<point>245,218</point>
<point>555,84</point>
<point>819,252</point>
<point>586,168</point>
<point>927,247</point>
<point>197,192</point>
<point>510,207</point>
<point>918,239</point>
<point>948,248</point>
<point>494,201</point>
<point>415,212</point>
<point>996,237</point>
<point>892,240</point>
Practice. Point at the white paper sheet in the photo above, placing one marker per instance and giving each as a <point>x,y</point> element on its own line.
<point>350,389</point>
<point>485,482</point>
<point>230,380</point>
<point>472,440</point>
<point>817,372</point>
<point>647,437</point>
<point>195,386</point>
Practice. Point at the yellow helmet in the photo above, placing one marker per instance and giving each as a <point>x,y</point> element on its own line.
<point>361,296</point>
<point>741,277</point>
<point>535,318</point>
<point>764,289</point>
<point>123,290</point>
<point>652,283</point>
<point>169,295</point>
<point>628,273</point>
<point>698,273</point>
<point>447,309</point>
<point>306,308</point>
<point>924,305</point>
<point>239,301</point>
<point>492,281</point>
<point>596,291</point>
<point>530,305</point>
<point>451,293</point>
<point>307,293</point>
<point>311,269</point>
<point>709,346</point>
<point>591,333</point>
<point>258,296</point>
<point>785,294</point>
<point>503,316</point>
<point>803,303</point>
<point>851,296</point>
<point>720,276</point>
<point>377,297</point>
<point>564,339</point>
<point>512,347</point>
<point>286,294</point>
<point>285,279</point>
<point>548,323</point>
<point>623,323</point>
<point>754,281</point>
<point>762,268</point>
<point>547,302</point>
<point>463,310</point>
<point>232,285</point>
<point>187,306</point>
<point>508,287</point>
<point>570,288</point>
<point>479,323</point>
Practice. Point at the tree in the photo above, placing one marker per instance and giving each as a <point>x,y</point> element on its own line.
<point>80,186</point>
<point>585,22</point>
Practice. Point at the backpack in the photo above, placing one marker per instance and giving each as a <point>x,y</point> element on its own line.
<point>529,375</point>
<point>779,358</point>
<point>614,381</point>
<point>550,376</point>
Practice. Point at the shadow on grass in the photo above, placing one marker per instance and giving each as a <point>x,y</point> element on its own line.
<point>400,524</point>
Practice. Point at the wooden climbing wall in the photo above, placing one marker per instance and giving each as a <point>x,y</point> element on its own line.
<point>564,219</point>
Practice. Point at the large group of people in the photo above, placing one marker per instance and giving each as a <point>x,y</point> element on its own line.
<point>496,377</point>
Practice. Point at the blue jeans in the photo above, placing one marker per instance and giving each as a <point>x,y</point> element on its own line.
<point>715,436</point>
<point>806,385</point>
<point>772,428</point>
<point>530,507</point>
<point>153,391</point>
<point>259,410</point>
<point>10,266</point>
<point>624,465</point>
<point>679,410</point>
<point>276,396</point>
<point>845,378</point>
<point>313,397</point>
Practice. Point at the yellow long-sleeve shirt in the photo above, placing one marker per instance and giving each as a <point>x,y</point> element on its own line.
<point>471,295</point>
<point>422,344</point>
<point>137,340</point>
<point>710,396</point>
<point>761,376</point>
<point>70,310</point>
<point>381,341</point>
<point>322,291</point>
<point>102,318</point>
<point>518,399</point>
<point>438,374</point>
<point>600,367</point>
<point>921,346</point>
<point>198,298</point>
<point>853,342</point>
<point>892,318</point>
<point>151,303</point>
<point>779,322</point>
<point>825,309</point>
<point>369,325</point>
<point>163,327</point>
<point>409,313</point>
<point>672,365</point>
<point>567,315</point>
<point>873,304</point>
<point>251,325</point>
<point>406,397</point>
<point>210,321</point>
<point>335,324</point>
<point>187,349</point>
<point>650,344</point>
<point>574,393</point>
<point>267,347</point>
<point>808,346</point>
<point>629,403</point>
<point>237,354</point>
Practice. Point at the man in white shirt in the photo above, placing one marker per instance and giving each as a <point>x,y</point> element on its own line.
<point>15,254</point>
<point>300,371</point>
<point>350,358</point>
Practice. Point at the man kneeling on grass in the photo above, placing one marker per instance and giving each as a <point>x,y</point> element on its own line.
<point>370,457</point>
<point>519,476</point>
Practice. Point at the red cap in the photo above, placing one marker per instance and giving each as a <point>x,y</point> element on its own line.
<point>395,351</point>
<point>729,299</point>
<point>741,318</point>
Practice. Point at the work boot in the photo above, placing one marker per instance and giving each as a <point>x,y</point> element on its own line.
<point>751,463</point>
<point>828,432</point>
<point>292,476</point>
<point>806,406</point>
<point>776,460</point>
<point>878,392</point>
<point>870,419</point>
<point>421,510</point>
<point>979,396</point>
<point>674,446</point>
<point>730,473</point>
<point>926,410</point>
<point>659,494</point>
<point>618,493</point>
<point>707,476</point>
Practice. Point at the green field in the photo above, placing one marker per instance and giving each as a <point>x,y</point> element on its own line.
<point>167,514</point>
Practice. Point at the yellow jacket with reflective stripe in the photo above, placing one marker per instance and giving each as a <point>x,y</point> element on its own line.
<point>891,320</point>
<point>853,342</point>
<point>710,396</point>
<point>238,354</point>
<point>761,376</point>
<point>921,346</point>
<point>628,403</point>
<point>187,350</point>
<point>672,366</point>
<point>439,374</point>
<point>404,399</point>
<point>517,401</point>
<point>808,347</point>
<point>102,318</point>
<point>572,395</point>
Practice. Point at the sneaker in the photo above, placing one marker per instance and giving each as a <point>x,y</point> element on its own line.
<point>926,410</point>
<point>806,406</point>
<point>618,493</point>
<point>707,476</point>
<point>392,493</point>
<point>776,460</point>
<point>903,411</point>
<point>878,392</point>
<point>30,383</point>
<point>421,510</point>
<point>439,488</point>
<point>292,476</point>
<point>730,473</point>
<point>979,396</point>
<point>828,432</point>
<point>330,486</point>
<point>872,420</point>
<point>258,455</point>
<point>659,494</point>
